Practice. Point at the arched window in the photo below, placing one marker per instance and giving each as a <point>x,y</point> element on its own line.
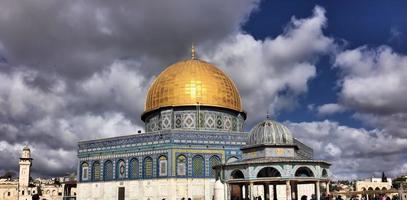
<point>370,188</point>
<point>134,168</point>
<point>108,171</point>
<point>121,169</point>
<point>148,167</point>
<point>96,171</point>
<point>84,171</point>
<point>384,188</point>
<point>198,166</point>
<point>214,160</point>
<point>237,174</point>
<point>181,165</point>
<point>304,172</point>
<point>162,166</point>
<point>268,172</point>
<point>377,188</point>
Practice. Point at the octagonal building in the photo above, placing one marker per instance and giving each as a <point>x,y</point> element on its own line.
<point>194,136</point>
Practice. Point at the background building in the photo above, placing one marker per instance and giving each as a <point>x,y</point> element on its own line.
<point>25,188</point>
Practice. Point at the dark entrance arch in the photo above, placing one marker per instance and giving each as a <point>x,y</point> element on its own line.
<point>237,174</point>
<point>304,172</point>
<point>268,172</point>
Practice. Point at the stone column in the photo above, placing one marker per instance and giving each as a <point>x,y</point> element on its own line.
<point>251,190</point>
<point>228,192</point>
<point>318,192</point>
<point>288,190</point>
<point>327,187</point>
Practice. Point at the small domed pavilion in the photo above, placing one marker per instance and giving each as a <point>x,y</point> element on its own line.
<point>274,165</point>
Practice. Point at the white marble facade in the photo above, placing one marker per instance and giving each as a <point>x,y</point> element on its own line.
<point>154,189</point>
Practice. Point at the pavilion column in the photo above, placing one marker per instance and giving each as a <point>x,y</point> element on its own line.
<point>246,192</point>
<point>229,192</point>
<point>288,190</point>
<point>241,191</point>
<point>318,192</point>
<point>251,190</point>
<point>327,187</point>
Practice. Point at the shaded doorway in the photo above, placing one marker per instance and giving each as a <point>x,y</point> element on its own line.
<point>121,193</point>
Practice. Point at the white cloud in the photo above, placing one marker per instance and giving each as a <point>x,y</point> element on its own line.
<point>53,120</point>
<point>352,151</point>
<point>373,79</point>
<point>122,85</point>
<point>330,108</point>
<point>263,70</point>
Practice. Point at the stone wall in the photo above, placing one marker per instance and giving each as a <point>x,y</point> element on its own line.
<point>158,189</point>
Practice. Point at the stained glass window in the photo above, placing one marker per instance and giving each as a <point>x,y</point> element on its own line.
<point>108,171</point>
<point>121,169</point>
<point>134,169</point>
<point>181,165</point>
<point>96,171</point>
<point>85,168</point>
<point>214,160</point>
<point>198,166</point>
<point>162,166</point>
<point>148,167</point>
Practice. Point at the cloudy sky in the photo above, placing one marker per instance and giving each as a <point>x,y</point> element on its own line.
<point>333,72</point>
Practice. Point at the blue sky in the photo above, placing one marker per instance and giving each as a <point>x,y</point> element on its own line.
<point>351,23</point>
<point>332,71</point>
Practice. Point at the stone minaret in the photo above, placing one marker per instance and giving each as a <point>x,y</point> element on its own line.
<point>25,165</point>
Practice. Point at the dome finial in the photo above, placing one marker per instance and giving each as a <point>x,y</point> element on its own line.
<point>193,51</point>
<point>268,115</point>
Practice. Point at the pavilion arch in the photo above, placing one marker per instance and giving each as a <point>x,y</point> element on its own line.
<point>304,172</point>
<point>363,189</point>
<point>268,172</point>
<point>237,174</point>
<point>384,188</point>
<point>232,159</point>
<point>324,173</point>
<point>377,188</point>
<point>370,188</point>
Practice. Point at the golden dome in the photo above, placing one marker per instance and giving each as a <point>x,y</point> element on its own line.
<point>193,82</point>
